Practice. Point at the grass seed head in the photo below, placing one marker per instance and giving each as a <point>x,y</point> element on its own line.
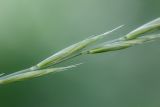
<point>153,25</point>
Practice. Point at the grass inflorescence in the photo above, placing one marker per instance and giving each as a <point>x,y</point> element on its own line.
<point>135,37</point>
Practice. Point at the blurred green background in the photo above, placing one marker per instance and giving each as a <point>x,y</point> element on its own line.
<point>31,30</point>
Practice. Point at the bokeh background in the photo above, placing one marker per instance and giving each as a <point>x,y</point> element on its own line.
<point>31,30</point>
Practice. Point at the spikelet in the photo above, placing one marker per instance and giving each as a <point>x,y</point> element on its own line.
<point>153,25</point>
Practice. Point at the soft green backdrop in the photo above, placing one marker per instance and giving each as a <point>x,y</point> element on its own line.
<point>31,30</point>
